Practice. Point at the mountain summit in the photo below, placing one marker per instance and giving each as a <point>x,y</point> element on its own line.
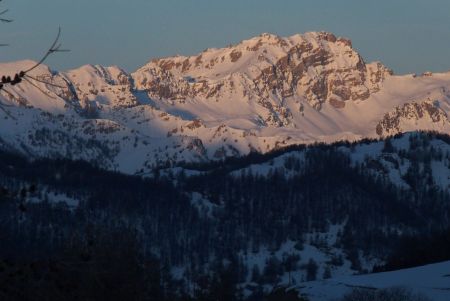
<point>261,94</point>
<point>316,67</point>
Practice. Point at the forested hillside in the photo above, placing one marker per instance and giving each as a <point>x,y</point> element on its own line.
<point>235,229</point>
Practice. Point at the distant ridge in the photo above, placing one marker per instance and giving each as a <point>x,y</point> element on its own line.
<point>258,95</point>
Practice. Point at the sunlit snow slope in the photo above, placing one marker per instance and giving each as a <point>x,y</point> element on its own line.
<point>261,94</point>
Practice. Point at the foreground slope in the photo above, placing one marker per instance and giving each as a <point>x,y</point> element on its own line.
<point>431,281</point>
<point>282,218</point>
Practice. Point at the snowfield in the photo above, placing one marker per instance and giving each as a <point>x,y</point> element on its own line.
<point>431,280</point>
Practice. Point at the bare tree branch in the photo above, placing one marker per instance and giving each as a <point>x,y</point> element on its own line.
<point>18,77</point>
<point>2,13</point>
<point>56,47</point>
<point>3,19</point>
<point>42,81</point>
<point>37,87</point>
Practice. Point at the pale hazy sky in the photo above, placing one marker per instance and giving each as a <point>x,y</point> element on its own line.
<point>406,35</point>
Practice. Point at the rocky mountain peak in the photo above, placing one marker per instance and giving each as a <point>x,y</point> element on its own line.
<point>261,94</point>
<point>102,85</point>
<point>316,67</point>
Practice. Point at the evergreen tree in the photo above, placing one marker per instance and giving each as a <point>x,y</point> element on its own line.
<point>311,270</point>
<point>256,274</point>
<point>327,272</point>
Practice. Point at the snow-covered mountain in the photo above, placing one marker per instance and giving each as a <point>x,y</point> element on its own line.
<point>259,95</point>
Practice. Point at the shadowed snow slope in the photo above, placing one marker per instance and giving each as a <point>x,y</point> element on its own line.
<point>430,280</point>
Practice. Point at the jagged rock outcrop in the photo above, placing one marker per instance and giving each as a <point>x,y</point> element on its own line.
<point>428,112</point>
<point>260,95</point>
<point>268,69</point>
<point>102,85</point>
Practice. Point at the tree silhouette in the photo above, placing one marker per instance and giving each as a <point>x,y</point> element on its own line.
<point>14,79</point>
<point>4,19</point>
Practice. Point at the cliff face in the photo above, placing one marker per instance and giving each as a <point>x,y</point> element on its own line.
<point>428,113</point>
<point>317,67</point>
<point>259,95</point>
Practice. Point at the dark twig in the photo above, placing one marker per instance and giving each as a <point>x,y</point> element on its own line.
<point>9,93</point>
<point>37,87</point>
<point>42,81</point>
<point>18,77</point>
<point>18,98</point>
<point>3,19</point>
<point>23,75</point>
<point>56,47</point>
<point>15,97</point>
<point>6,111</point>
